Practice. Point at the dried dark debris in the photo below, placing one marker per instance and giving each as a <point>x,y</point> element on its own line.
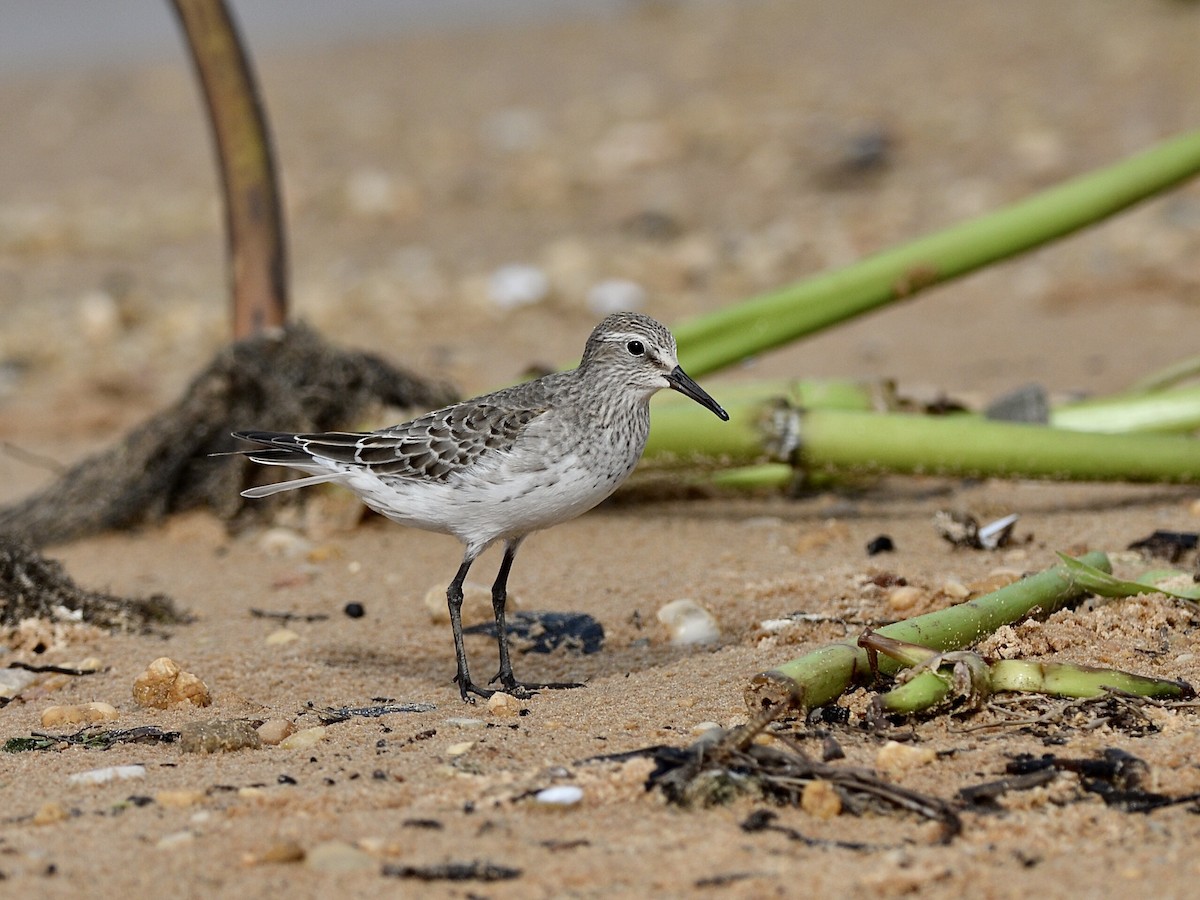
<point>289,381</point>
<point>1115,775</point>
<point>284,616</point>
<point>964,530</point>
<point>33,587</point>
<point>531,631</point>
<point>332,715</point>
<point>475,870</point>
<point>92,738</point>
<point>723,765</point>
<point>1171,546</point>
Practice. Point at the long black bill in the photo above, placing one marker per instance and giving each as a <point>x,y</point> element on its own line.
<point>682,382</point>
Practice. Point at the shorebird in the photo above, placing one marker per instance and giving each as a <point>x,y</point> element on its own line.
<point>501,466</point>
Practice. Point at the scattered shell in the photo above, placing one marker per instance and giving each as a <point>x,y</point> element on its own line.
<point>107,774</point>
<point>50,812</point>
<point>704,727</point>
<point>174,839</point>
<point>904,597</point>
<point>689,623</point>
<point>164,684</point>
<point>504,705</point>
<point>956,590</point>
<point>517,285</point>
<point>459,749</point>
<point>281,636</point>
<point>560,795</point>
<point>273,731</point>
<point>218,736</point>
<point>894,757</point>
<point>84,713</point>
<point>615,295</point>
<point>821,799</point>
<point>336,856</point>
<point>305,737</point>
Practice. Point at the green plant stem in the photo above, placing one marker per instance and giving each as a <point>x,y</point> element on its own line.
<point>1174,410</point>
<point>773,319</point>
<point>763,430</point>
<point>823,675</point>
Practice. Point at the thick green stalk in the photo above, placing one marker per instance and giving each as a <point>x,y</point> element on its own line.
<point>823,675</point>
<point>773,319</point>
<point>1174,410</point>
<point>967,446</point>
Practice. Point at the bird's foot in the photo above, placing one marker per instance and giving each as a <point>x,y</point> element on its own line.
<point>469,690</point>
<point>523,690</point>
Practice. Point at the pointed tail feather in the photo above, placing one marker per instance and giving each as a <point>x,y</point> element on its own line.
<point>266,490</point>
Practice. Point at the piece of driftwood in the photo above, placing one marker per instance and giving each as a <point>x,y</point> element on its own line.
<point>289,380</point>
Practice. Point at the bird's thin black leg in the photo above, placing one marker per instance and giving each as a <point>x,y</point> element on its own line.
<point>499,600</point>
<point>454,600</point>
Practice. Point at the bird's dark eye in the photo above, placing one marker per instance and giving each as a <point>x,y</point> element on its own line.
<point>637,348</point>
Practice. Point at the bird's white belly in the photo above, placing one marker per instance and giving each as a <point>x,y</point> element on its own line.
<point>489,505</point>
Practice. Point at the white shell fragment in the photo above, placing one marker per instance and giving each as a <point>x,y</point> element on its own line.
<point>689,623</point>
<point>516,285</point>
<point>107,774</point>
<point>560,795</point>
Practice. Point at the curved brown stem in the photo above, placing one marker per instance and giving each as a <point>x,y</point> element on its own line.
<point>254,221</point>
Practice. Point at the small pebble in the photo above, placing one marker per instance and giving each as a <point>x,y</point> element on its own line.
<point>178,799</point>
<point>466,724</point>
<point>107,774</point>
<point>689,623</point>
<point>504,705</point>
<point>281,636</point>
<point>615,295</point>
<point>50,812</point>
<point>881,544</point>
<point>704,727</point>
<point>355,610</point>
<point>821,799</point>
<point>894,757</point>
<point>164,684</point>
<point>283,542</point>
<point>218,736</point>
<point>282,852</point>
<point>336,856</point>
<point>904,597</point>
<point>305,737</point>
<point>956,590</point>
<point>84,713</point>
<point>517,285</point>
<point>460,748</point>
<point>174,839</point>
<point>560,795</point>
<point>273,731</point>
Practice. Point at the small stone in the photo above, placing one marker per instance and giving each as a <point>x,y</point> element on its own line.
<point>689,623</point>
<point>904,597</point>
<point>560,795</point>
<point>956,590</point>
<point>466,724</point>
<point>356,610</point>
<point>281,636</point>
<point>50,812</point>
<point>164,684</point>
<point>476,607</point>
<point>517,285</point>
<point>107,774</point>
<point>85,713</point>
<point>180,799</point>
<point>894,757</point>
<point>273,731</point>
<point>99,317</point>
<point>705,727</point>
<point>336,856</point>
<point>304,738</point>
<point>284,542</point>
<point>282,852</point>
<point>615,295</point>
<point>218,736</point>
<point>504,705</point>
<point>821,799</point>
<point>459,749</point>
<point>174,839</point>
